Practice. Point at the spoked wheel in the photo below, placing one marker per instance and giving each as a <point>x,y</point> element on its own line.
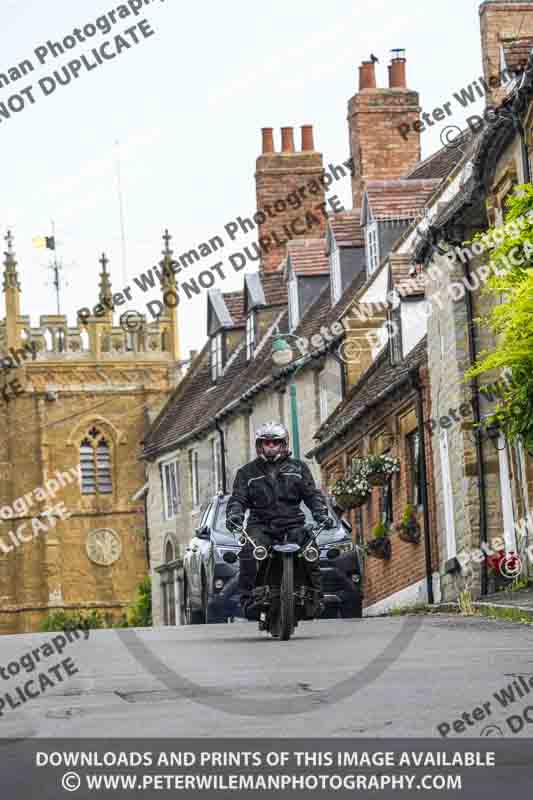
<point>287,610</point>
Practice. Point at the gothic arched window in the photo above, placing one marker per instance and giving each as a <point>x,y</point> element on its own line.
<point>95,462</point>
<point>169,552</point>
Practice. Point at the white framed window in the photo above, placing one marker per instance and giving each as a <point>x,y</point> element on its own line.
<point>216,356</point>
<point>250,335</point>
<point>216,464</point>
<point>335,270</point>
<point>171,488</point>
<point>193,476</point>
<point>293,304</point>
<point>372,247</point>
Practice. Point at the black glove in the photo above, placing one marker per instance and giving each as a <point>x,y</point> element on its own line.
<point>327,522</point>
<point>234,524</point>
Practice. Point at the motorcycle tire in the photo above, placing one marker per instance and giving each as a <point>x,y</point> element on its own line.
<point>287,609</point>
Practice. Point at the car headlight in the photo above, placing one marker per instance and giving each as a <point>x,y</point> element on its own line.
<point>222,550</point>
<point>344,547</point>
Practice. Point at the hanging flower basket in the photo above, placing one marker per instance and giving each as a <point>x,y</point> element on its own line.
<point>349,501</point>
<point>377,478</point>
<point>408,528</point>
<point>376,470</point>
<point>411,534</point>
<point>351,491</point>
<point>380,548</point>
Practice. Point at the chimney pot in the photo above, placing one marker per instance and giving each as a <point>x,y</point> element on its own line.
<point>367,75</point>
<point>287,140</point>
<point>268,140</point>
<point>307,137</point>
<point>397,77</point>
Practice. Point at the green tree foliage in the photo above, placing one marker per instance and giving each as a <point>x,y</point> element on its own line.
<point>138,615</point>
<point>140,612</point>
<point>511,318</point>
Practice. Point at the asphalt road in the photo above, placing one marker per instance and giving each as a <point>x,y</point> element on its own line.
<point>375,677</point>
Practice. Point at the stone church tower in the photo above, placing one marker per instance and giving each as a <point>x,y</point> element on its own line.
<point>74,406</point>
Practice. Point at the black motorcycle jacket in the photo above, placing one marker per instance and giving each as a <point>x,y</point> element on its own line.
<point>275,492</point>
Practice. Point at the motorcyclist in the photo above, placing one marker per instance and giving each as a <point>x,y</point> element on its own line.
<point>272,487</point>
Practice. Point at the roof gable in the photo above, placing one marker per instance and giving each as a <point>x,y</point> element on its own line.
<point>400,199</point>
<point>253,292</point>
<point>223,310</point>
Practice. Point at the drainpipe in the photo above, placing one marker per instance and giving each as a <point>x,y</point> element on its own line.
<point>146,529</point>
<point>417,386</point>
<point>222,455</point>
<point>477,418</point>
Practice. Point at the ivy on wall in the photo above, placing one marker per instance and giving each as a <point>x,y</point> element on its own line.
<point>510,283</point>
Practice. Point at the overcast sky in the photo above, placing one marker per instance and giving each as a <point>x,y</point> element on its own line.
<point>187,105</point>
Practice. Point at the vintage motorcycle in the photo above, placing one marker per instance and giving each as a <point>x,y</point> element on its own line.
<point>281,596</point>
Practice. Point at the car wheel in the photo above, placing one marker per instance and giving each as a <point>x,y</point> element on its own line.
<point>192,617</point>
<point>204,613</point>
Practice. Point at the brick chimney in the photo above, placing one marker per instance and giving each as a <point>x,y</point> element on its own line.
<point>500,20</point>
<point>279,175</point>
<point>374,115</point>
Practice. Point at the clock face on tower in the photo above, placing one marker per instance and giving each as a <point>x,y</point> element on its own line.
<point>103,547</point>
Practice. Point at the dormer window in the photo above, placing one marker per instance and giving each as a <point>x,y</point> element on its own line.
<point>335,272</point>
<point>250,335</point>
<point>294,313</point>
<point>372,247</point>
<point>216,356</point>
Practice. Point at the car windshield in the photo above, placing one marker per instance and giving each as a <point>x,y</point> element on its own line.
<point>324,537</point>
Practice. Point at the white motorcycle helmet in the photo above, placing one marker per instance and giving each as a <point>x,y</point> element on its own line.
<point>273,431</point>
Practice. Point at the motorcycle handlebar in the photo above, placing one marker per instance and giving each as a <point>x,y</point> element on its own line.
<point>319,528</point>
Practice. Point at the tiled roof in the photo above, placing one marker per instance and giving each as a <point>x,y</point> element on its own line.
<point>439,164</point>
<point>308,256</point>
<point>516,52</point>
<point>377,382</point>
<point>346,227</point>
<point>234,303</point>
<point>274,287</point>
<point>195,403</point>
<point>408,285</point>
<point>399,199</point>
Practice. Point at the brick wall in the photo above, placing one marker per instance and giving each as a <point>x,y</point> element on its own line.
<point>278,175</point>
<point>501,20</point>
<point>374,115</point>
<point>396,414</point>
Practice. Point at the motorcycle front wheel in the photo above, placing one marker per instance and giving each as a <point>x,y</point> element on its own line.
<point>287,609</point>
